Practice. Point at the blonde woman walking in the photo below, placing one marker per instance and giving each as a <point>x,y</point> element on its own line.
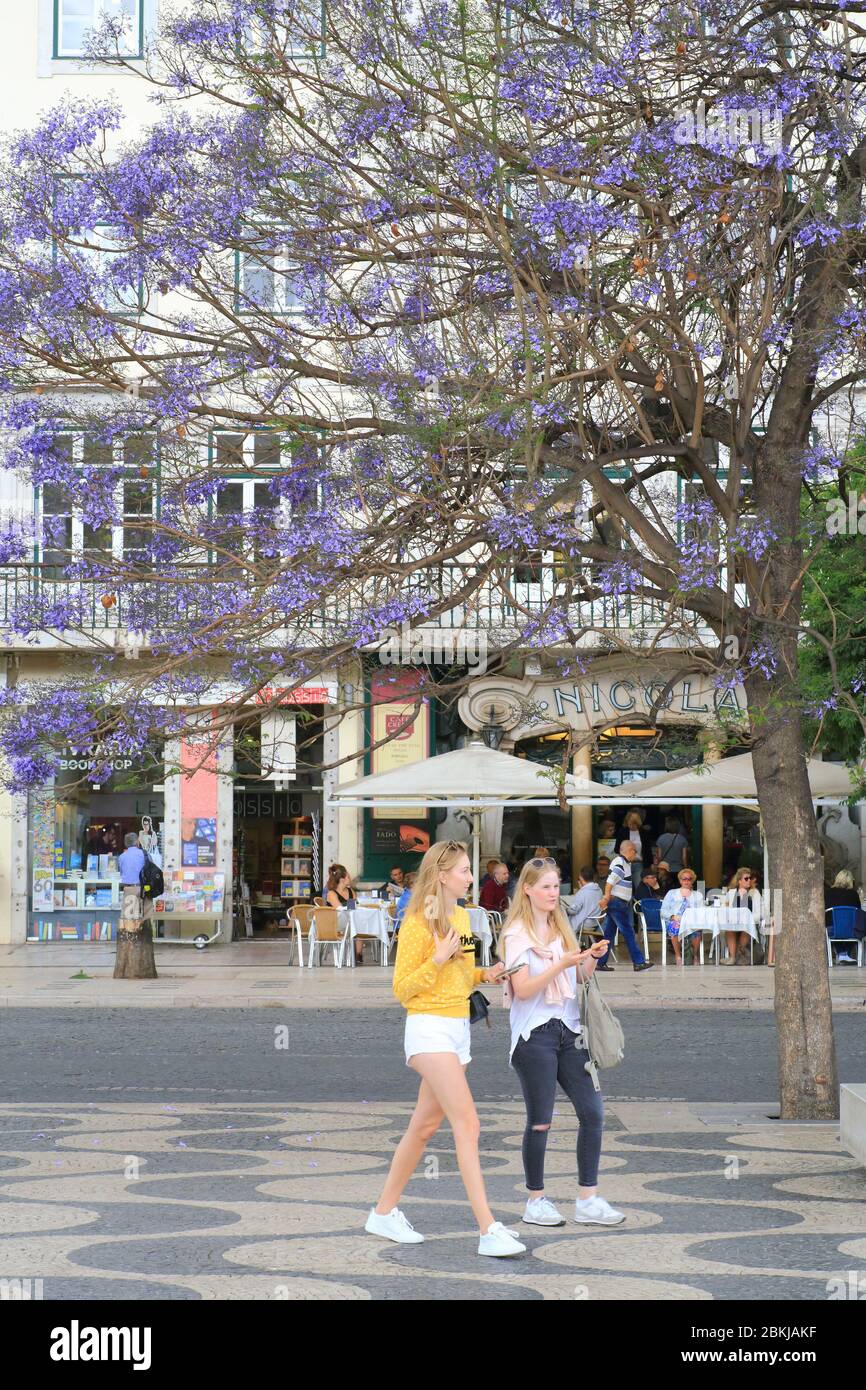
<point>434,974</point>
<point>546,1040</point>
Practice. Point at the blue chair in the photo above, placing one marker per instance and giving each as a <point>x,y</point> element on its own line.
<point>840,929</point>
<point>649,912</point>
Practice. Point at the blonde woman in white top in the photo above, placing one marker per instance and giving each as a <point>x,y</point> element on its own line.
<point>546,1039</point>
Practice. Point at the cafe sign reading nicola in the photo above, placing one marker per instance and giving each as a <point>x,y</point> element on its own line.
<point>521,706</point>
<point>629,697</point>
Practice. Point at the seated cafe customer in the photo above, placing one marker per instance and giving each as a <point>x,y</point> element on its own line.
<point>586,900</point>
<point>602,871</point>
<point>339,893</point>
<point>743,892</point>
<point>491,865</point>
<point>402,901</point>
<point>494,892</point>
<point>391,890</point>
<point>648,886</point>
<point>665,877</point>
<point>842,894</point>
<point>674,904</point>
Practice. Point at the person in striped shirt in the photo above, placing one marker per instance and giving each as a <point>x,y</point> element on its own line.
<point>616,902</point>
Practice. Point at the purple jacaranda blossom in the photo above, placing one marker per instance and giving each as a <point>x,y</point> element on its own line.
<point>754,537</point>
<point>453,323</point>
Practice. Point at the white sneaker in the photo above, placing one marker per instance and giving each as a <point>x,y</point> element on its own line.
<point>498,1240</point>
<point>394,1226</point>
<point>595,1211</point>
<point>540,1211</point>
<point>844,957</point>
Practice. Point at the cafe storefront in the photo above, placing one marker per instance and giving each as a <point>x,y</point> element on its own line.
<point>635,724</point>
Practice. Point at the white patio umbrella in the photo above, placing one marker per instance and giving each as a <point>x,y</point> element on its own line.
<point>475,778</point>
<point>728,782</point>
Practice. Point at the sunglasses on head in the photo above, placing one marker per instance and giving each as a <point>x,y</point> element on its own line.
<point>540,863</point>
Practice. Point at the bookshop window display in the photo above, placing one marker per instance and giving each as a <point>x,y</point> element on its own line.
<point>277,830</point>
<point>275,848</point>
<point>77,834</point>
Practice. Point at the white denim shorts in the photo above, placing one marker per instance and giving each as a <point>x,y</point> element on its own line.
<point>432,1033</point>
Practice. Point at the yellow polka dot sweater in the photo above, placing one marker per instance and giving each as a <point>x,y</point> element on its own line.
<point>422,986</point>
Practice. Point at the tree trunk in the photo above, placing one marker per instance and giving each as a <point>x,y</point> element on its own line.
<point>807,1055</point>
<point>135,960</point>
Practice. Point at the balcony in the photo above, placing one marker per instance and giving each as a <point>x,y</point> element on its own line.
<point>39,610</point>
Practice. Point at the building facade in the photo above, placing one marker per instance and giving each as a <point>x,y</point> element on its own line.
<point>239,845</point>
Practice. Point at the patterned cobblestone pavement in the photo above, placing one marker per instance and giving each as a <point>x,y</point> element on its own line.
<point>262,1201</point>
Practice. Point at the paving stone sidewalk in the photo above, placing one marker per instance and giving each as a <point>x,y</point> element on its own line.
<point>252,1201</point>
<point>244,975</point>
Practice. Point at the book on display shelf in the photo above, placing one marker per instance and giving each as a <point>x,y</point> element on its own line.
<point>190,893</point>
<point>297,844</point>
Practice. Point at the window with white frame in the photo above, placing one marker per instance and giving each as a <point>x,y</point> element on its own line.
<point>123,538</point>
<point>106,245</point>
<point>245,465</point>
<point>264,273</point>
<point>302,37</point>
<point>76,20</point>
<point>100,247</point>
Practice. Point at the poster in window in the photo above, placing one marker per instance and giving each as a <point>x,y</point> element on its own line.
<point>398,829</point>
<point>198,800</point>
<point>43,890</point>
<point>198,841</point>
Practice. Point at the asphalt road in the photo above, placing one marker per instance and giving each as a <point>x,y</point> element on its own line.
<point>156,1055</point>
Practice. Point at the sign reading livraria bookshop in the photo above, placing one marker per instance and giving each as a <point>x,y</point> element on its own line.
<point>144,765</point>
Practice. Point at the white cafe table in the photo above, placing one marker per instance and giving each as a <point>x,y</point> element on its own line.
<point>480,924</point>
<point>367,921</point>
<point>715,920</point>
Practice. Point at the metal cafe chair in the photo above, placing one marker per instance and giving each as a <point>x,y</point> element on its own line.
<point>300,921</point>
<point>326,931</point>
<point>648,912</point>
<point>495,919</point>
<point>393,914</point>
<point>594,927</point>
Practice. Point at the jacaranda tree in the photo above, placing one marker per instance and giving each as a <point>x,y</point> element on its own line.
<point>477,280</point>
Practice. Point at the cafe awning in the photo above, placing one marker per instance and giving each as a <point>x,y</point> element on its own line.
<point>729,781</point>
<point>475,778</point>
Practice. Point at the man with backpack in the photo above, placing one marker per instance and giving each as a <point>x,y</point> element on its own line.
<point>135,909</point>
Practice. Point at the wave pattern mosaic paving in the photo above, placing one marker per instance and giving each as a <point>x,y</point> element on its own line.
<point>268,1202</point>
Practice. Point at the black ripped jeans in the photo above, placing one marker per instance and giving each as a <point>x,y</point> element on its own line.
<point>549,1056</point>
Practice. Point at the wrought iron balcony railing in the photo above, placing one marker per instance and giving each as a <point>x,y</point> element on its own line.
<point>35,602</point>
